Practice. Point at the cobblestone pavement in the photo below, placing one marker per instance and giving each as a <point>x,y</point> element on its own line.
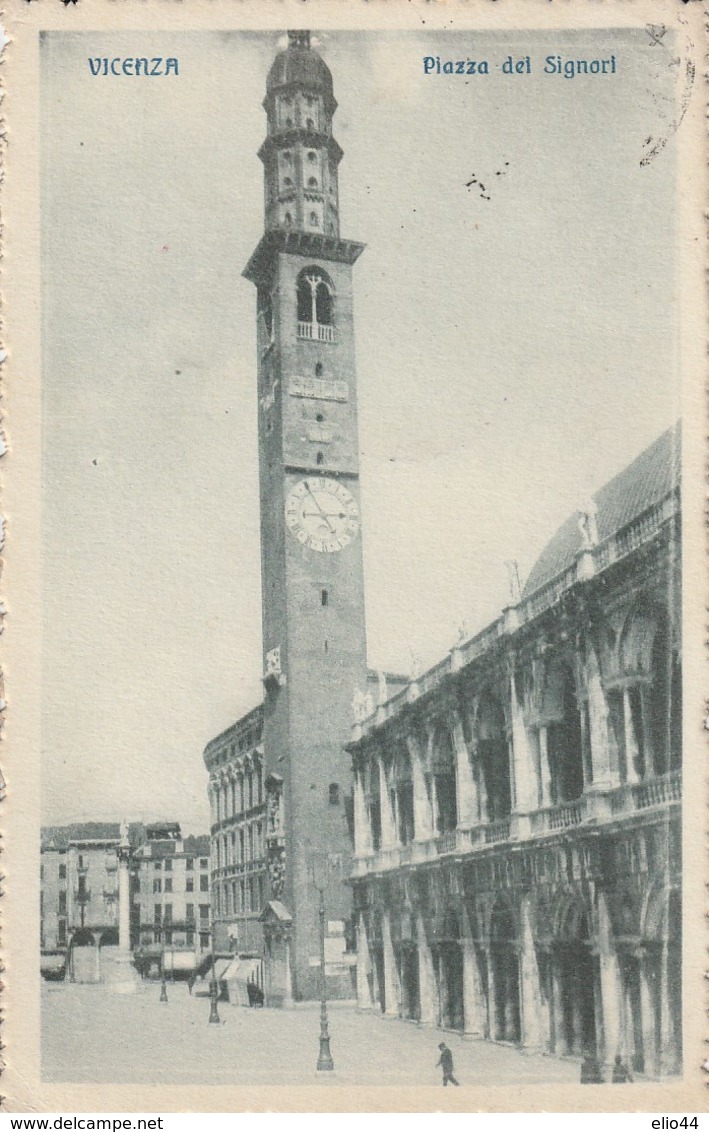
<point>95,1034</point>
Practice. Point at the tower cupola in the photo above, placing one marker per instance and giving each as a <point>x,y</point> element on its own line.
<point>300,155</point>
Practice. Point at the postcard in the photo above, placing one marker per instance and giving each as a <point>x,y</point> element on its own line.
<point>353,406</point>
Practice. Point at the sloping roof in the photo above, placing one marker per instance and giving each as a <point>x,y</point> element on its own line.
<point>645,482</point>
<point>59,836</point>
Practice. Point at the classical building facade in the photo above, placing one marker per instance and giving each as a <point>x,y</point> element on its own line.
<point>83,889</point>
<point>517,807</point>
<point>171,898</point>
<point>241,846</point>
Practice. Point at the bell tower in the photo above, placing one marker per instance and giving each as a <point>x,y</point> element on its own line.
<point>311,542</point>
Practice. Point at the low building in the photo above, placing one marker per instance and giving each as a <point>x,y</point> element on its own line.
<point>517,808</point>
<point>79,899</point>
<point>171,891</point>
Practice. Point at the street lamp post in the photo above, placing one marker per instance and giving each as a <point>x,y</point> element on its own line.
<point>319,866</point>
<point>213,986</point>
<point>163,984</point>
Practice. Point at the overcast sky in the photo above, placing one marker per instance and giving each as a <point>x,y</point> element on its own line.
<point>513,353</point>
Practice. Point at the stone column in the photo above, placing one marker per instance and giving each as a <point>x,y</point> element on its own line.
<point>611,984</point>
<point>473,1001</point>
<point>423,825</point>
<point>525,792</point>
<point>391,997</point>
<point>364,966</point>
<point>530,989</point>
<point>427,981</point>
<point>544,769</point>
<point>651,1047</point>
<point>466,789</point>
<point>362,829</point>
<point>603,776</point>
<point>484,809</point>
<point>493,1020</point>
<point>387,817</point>
<point>646,714</point>
<point>557,1009</point>
<point>123,900</point>
<point>631,742</point>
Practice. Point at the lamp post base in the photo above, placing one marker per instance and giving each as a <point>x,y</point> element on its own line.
<point>213,1011</point>
<point>325,1061</point>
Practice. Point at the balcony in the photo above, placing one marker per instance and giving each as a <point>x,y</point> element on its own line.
<point>316,332</point>
<point>558,817</point>
<point>645,795</point>
<point>447,842</point>
<point>593,809</point>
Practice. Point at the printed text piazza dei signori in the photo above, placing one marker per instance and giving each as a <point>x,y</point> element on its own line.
<point>498,839</point>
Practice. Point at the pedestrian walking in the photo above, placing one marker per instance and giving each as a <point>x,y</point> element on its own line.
<point>446,1063</point>
<point>591,1070</point>
<point>620,1073</point>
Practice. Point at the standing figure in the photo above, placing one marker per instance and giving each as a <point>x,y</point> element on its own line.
<point>621,1074</point>
<point>446,1063</point>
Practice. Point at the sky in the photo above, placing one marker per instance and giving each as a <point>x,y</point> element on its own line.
<point>513,353</point>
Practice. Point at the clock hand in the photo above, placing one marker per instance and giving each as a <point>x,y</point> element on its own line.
<point>323,513</point>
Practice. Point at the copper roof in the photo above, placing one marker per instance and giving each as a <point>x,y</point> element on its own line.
<point>653,475</point>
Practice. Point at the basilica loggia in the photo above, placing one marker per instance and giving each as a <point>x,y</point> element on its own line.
<point>517,807</point>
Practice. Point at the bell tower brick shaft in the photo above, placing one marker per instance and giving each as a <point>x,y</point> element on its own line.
<point>311,540</point>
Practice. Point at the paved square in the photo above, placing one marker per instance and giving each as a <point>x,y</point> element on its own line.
<point>94,1034</point>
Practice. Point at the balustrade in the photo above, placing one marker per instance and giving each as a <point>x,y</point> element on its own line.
<point>315,331</point>
<point>497,831</point>
<point>446,843</point>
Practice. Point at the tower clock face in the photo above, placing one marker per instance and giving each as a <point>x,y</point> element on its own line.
<point>322,514</point>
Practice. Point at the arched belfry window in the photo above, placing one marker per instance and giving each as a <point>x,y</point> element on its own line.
<point>315,305</point>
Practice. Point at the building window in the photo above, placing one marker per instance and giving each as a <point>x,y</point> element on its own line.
<point>312,155</point>
<point>204,940</point>
<point>204,912</point>
<point>62,902</point>
<point>62,872</point>
<point>313,219</point>
<point>315,297</point>
<point>156,865</point>
<point>189,884</point>
<point>189,864</point>
<point>312,182</point>
<point>318,373</point>
<point>168,864</point>
<point>204,883</point>
<point>157,913</point>
<point>334,794</point>
<point>189,939</point>
<point>168,914</point>
<point>204,862</point>
<point>168,937</point>
<point>61,933</point>
<point>319,459</point>
<point>157,886</point>
<point>242,896</point>
<point>168,884</point>
<point>288,219</point>
<point>189,913</point>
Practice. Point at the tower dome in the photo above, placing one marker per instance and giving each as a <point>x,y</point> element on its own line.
<point>300,65</point>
